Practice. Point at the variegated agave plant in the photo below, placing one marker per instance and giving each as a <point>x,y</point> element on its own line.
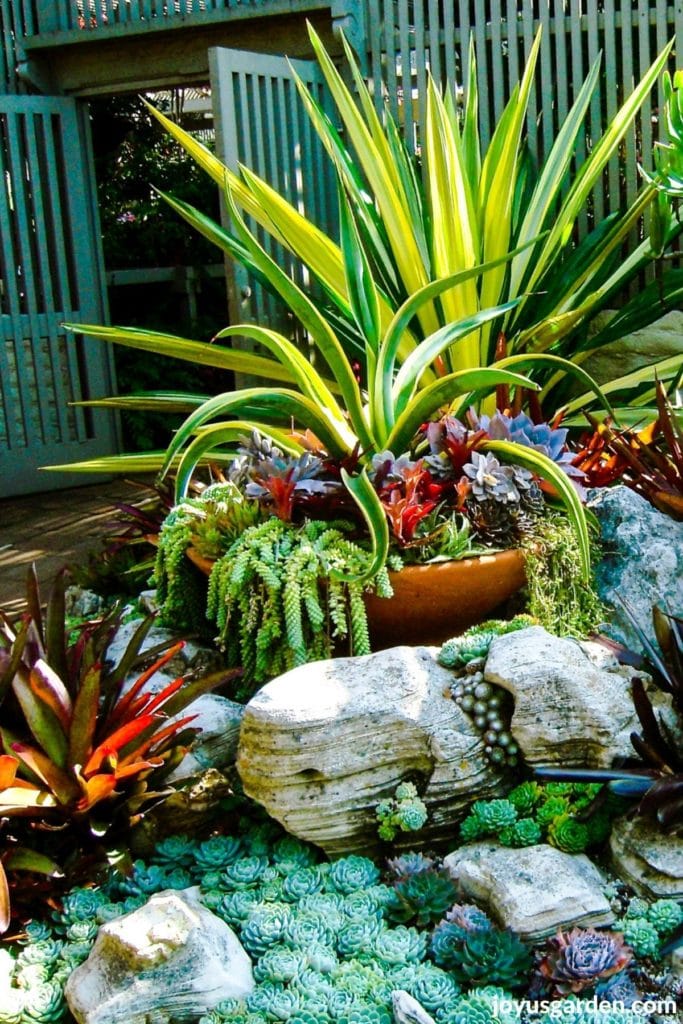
<point>449,280</point>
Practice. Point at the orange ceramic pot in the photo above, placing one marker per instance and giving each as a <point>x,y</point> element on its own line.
<point>434,602</point>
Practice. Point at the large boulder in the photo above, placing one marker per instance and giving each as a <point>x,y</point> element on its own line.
<point>656,341</point>
<point>648,859</point>
<point>535,890</point>
<point>323,744</point>
<point>642,560</point>
<point>172,956</point>
<point>572,700</point>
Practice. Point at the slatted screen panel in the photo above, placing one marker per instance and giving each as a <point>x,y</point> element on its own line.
<point>408,39</point>
<point>261,123</point>
<point>50,272</point>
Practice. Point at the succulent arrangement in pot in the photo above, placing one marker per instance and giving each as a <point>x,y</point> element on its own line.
<point>447,308</point>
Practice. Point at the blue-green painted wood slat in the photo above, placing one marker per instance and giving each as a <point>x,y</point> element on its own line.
<point>260,121</point>
<point>49,241</point>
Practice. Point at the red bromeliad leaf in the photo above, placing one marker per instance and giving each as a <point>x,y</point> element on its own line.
<point>96,789</point>
<point>47,685</point>
<point>137,767</point>
<point>61,784</point>
<point>164,695</point>
<point>122,707</point>
<point>8,770</point>
<point>150,702</point>
<point>42,722</point>
<point>118,739</point>
<point>157,741</point>
<point>84,718</point>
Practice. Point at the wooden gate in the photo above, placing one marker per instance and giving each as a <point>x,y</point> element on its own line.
<point>261,123</point>
<point>50,272</point>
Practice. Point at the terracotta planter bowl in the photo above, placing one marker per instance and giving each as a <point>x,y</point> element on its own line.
<point>432,603</point>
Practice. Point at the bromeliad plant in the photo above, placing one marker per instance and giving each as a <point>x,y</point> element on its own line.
<point>649,460</point>
<point>80,755</point>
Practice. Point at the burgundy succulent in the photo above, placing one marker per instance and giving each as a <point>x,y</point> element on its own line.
<point>579,959</point>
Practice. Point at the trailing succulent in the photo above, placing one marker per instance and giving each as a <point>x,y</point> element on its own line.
<point>279,595</point>
<point>209,523</point>
<point>554,813</point>
<point>80,754</point>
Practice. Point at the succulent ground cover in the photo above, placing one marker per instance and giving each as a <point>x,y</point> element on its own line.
<point>330,941</point>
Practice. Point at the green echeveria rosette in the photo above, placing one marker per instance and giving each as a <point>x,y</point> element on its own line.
<point>423,898</point>
<point>81,905</point>
<point>364,903</point>
<point>280,964</point>
<point>44,952</point>
<point>11,1005</point>
<point>350,874</point>
<point>36,931</point>
<point>400,945</point>
<point>245,873</point>
<point>74,954</point>
<point>551,808</point>
<point>366,1014</point>
<point>637,907</point>
<point>432,987</point>
<point>642,936</point>
<point>302,882</point>
<point>45,1003</point>
<point>301,930</point>
<point>480,1006</point>
<point>490,957</point>
<point>321,958</point>
<point>290,854</point>
<point>525,797</point>
<point>82,931</point>
<point>665,915</point>
<point>568,834</point>
<point>356,938</point>
<point>525,832</point>
<point>264,929</point>
<point>217,852</point>
<point>366,980</point>
<point>236,907</point>
<point>493,815</point>
<point>175,851</point>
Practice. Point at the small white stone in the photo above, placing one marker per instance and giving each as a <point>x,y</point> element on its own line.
<point>172,956</point>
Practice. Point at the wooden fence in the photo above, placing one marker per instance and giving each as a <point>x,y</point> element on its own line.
<point>410,38</point>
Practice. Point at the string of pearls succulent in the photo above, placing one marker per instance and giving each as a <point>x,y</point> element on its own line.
<point>490,708</point>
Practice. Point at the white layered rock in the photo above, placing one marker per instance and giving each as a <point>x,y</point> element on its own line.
<point>322,745</point>
<point>535,890</point>
<point>647,858</point>
<point>572,700</point>
<point>172,956</point>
